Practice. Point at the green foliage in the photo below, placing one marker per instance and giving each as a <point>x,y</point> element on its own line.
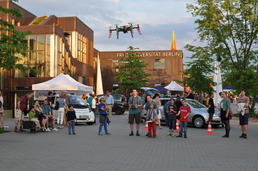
<point>131,73</point>
<point>198,71</point>
<point>230,29</point>
<point>11,42</point>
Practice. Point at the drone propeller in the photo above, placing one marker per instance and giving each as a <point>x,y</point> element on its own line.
<point>139,29</point>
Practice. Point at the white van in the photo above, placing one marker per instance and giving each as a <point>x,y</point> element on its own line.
<point>84,114</point>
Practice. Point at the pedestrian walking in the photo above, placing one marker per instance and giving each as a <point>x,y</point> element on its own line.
<point>171,112</point>
<point>135,107</point>
<point>71,119</point>
<point>183,113</point>
<point>109,102</point>
<point>243,109</point>
<point>94,104</point>
<point>211,107</point>
<point>157,101</point>
<point>224,113</point>
<point>103,117</point>
<point>151,119</point>
<point>1,112</point>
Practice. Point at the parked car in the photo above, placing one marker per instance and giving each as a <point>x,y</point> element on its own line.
<point>120,103</point>
<point>83,111</point>
<point>149,91</point>
<point>199,113</point>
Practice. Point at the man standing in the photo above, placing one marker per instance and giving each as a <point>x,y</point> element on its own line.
<point>243,108</point>
<point>24,106</point>
<point>224,113</point>
<point>109,102</point>
<point>135,107</point>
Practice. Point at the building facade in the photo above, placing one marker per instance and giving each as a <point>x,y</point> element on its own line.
<point>162,65</point>
<point>55,45</point>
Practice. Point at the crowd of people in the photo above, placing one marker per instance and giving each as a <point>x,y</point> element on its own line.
<point>47,117</point>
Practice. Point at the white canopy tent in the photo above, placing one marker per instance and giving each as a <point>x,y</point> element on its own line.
<point>173,86</point>
<point>62,82</point>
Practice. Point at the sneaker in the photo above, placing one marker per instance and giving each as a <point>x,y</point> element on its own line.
<point>74,133</point>
<point>48,130</point>
<point>179,136</point>
<point>185,136</point>
<point>69,133</point>
<point>131,134</point>
<point>137,133</point>
<point>55,129</point>
<point>108,133</point>
<point>100,134</point>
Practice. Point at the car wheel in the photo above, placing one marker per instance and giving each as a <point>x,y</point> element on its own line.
<point>198,122</point>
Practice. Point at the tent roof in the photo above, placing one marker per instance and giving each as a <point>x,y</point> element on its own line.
<point>173,86</point>
<point>62,82</point>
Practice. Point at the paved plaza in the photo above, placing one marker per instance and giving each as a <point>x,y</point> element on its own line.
<point>86,151</point>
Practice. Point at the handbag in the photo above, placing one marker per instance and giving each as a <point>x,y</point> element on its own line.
<point>230,114</point>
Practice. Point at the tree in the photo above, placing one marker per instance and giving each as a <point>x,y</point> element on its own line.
<point>131,73</point>
<point>230,28</point>
<point>199,70</point>
<point>12,47</point>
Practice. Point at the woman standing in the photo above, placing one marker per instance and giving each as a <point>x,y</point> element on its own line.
<point>1,112</point>
<point>157,101</point>
<point>94,104</point>
<point>243,108</point>
<point>224,113</point>
<point>211,107</point>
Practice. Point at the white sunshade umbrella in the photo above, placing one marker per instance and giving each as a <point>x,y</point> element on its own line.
<point>173,86</point>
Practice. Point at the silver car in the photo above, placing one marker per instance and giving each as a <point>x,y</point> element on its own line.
<point>199,115</point>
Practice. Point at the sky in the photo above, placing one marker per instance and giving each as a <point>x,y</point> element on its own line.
<point>157,18</point>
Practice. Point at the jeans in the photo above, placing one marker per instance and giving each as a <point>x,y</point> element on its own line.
<point>172,121</point>
<point>59,117</point>
<point>71,127</point>
<point>183,128</point>
<point>103,124</point>
<point>227,126</point>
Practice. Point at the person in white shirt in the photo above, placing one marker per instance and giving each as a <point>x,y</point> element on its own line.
<point>109,102</point>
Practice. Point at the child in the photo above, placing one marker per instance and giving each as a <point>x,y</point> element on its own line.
<point>103,118</point>
<point>32,117</point>
<point>172,112</point>
<point>151,119</point>
<point>183,112</point>
<point>71,118</point>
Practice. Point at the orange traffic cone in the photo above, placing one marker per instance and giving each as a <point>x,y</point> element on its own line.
<point>209,132</point>
<point>146,127</point>
<point>177,126</point>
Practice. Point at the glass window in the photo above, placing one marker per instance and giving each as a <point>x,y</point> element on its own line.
<point>159,64</point>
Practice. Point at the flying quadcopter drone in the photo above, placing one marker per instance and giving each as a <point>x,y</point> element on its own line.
<point>125,29</point>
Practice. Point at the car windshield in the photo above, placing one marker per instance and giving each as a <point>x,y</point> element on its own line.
<point>78,102</point>
<point>152,92</point>
<point>117,97</point>
<point>195,104</point>
<point>164,101</point>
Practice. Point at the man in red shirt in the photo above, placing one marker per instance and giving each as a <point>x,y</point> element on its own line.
<point>183,112</point>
